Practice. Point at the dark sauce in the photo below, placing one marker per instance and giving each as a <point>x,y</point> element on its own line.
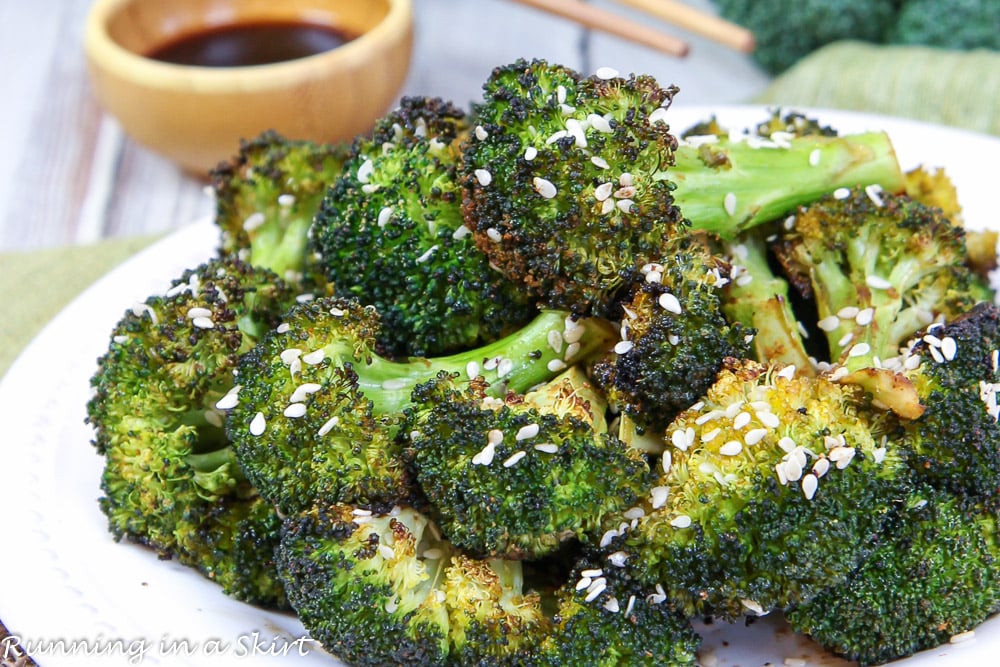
<point>251,44</point>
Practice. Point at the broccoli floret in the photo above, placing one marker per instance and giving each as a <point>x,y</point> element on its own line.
<point>879,267</point>
<point>771,490</point>
<point>933,576</point>
<point>955,442</point>
<point>968,24</point>
<point>171,479</point>
<point>266,197</point>
<point>517,477</point>
<point>573,183</point>
<point>391,233</point>
<point>604,619</point>
<point>318,412</point>
<point>377,589</point>
<point>757,297</point>
<point>674,337</point>
<point>787,30</point>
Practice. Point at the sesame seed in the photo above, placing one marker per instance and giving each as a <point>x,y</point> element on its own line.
<point>666,460</point>
<point>741,420</point>
<point>365,171</point>
<point>860,350</point>
<point>596,589</point>
<point>481,133</point>
<point>606,73</point>
<point>483,176</point>
<point>556,136</point>
<point>658,496</point>
<point>493,234</point>
<point>386,552</point>
<point>603,191</point>
<point>829,323</point>
<point>681,521</point>
<point>623,347</point>
<point>314,357</point>
<point>494,437</point>
<point>709,436</point>
<point>556,365</point>
<point>814,157</point>
<point>729,203</point>
<point>543,187</point>
<point>752,606</point>
<point>584,583</point>
<point>602,125</point>
<point>203,323</point>
<point>618,558</point>
<point>290,355</point>
<point>787,372</point>
<point>754,436</point>
<point>874,192</point>
<point>528,431</point>
<point>504,367</point>
<point>230,400</point>
<point>514,458</point>
<point>845,339</point>
<point>624,205</point>
<point>328,426</point>
<point>599,162</point>
<point>949,348</point>
<point>485,456</point>
<point>472,370</point>
<point>876,282</point>
<point>304,390</point>
<point>670,303</point>
<point>611,604</point>
<point>660,115</point>
<point>630,605</point>
<point>864,317</point>
<point>427,254</point>
<point>607,206</point>
<point>254,221</point>
<point>258,424</point>
<point>809,485</point>
<point>841,193</point>
<point>936,354</point>
<point>547,448</point>
<point>530,153</point>
<point>731,448</point>
<point>607,537</point>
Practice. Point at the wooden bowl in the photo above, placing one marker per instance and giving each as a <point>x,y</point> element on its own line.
<point>197,115</point>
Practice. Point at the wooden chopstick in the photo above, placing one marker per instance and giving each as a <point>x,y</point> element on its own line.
<point>609,22</point>
<point>697,21</point>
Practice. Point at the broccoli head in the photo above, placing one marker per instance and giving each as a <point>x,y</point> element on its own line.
<point>517,477</point>
<point>674,337</point>
<point>772,489</point>
<point>955,442</point>
<point>573,183</point>
<point>787,30</point>
<point>171,479</point>
<point>879,267</point>
<point>933,576</point>
<point>968,24</point>
<point>266,197</point>
<point>391,233</point>
<point>316,413</point>
<point>384,588</point>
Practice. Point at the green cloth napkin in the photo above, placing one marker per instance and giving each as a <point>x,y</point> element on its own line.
<point>959,88</point>
<point>37,285</point>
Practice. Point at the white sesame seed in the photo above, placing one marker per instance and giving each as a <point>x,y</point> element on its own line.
<point>427,254</point>
<point>254,221</point>
<point>666,460</point>
<point>741,420</point>
<point>544,187</point>
<point>829,323</point>
<point>949,348</point>
<point>365,171</point>
<point>493,234</point>
<point>483,176</point>
<point>660,115</point>
<point>753,436</point>
<point>729,203</point>
<point>845,339</point>
<point>527,431</point>
<point>821,467</point>
<point>328,426</point>
<point>203,323</point>
<point>599,162</point>
<point>556,136</point>
<point>752,606</point>
<point>859,350</point>
<point>514,458</point>
<point>472,370</point>
<point>314,357</point>
<point>814,157</point>
<point>841,193</point>
<point>556,365</point>
<point>230,400</point>
<point>681,521</point>
<point>874,192</point>
<point>624,205</point>
<point>583,583</point>
<point>864,317</point>
<point>606,73</point>
<point>611,604</point>
<point>936,354</point>
<point>731,448</point>
<point>530,153</point>
<point>602,125</point>
<point>809,485</point>
<point>658,496</point>
<point>603,191</point>
<point>877,282</point>
<point>709,436</point>
<point>608,537</point>
<point>481,133</point>
<point>303,391</point>
<point>596,589</point>
<point>484,457</point>
<point>787,373</point>
<point>607,206</point>
<point>670,303</point>
<point>547,448</point>
<point>258,424</point>
<point>623,347</point>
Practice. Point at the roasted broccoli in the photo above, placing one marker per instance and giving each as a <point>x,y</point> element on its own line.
<point>955,442</point>
<point>604,619</point>
<point>573,183</point>
<point>316,412</point>
<point>391,233</point>
<point>266,197</point>
<point>385,588</point>
<point>171,480</point>
<point>771,490</point>
<point>879,267</point>
<point>518,476</point>
<point>787,30</point>
<point>674,336</point>
<point>935,575</point>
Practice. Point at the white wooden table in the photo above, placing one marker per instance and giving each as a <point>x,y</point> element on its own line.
<point>68,175</point>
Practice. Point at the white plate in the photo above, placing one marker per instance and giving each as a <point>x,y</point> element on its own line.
<point>63,579</point>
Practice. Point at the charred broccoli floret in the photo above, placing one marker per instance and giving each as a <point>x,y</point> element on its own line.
<point>772,489</point>
<point>604,619</point>
<point>674,337</point>
<point>384,588</point>
<point>955,442</point>
<point>316,413</point>
<point>391,233</point>
<point>879,267</point>
<point>573,182</point>
<point>266,197</point>
<point>933,576</point>
<point>518,476</point>
<point>171,479</point>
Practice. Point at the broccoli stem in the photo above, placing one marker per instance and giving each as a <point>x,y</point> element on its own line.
<point>757,298</point>
<point>730,186</point>
<point>534,354</point>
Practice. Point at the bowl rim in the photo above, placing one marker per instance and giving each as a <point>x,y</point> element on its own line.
<point>104,52</point>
